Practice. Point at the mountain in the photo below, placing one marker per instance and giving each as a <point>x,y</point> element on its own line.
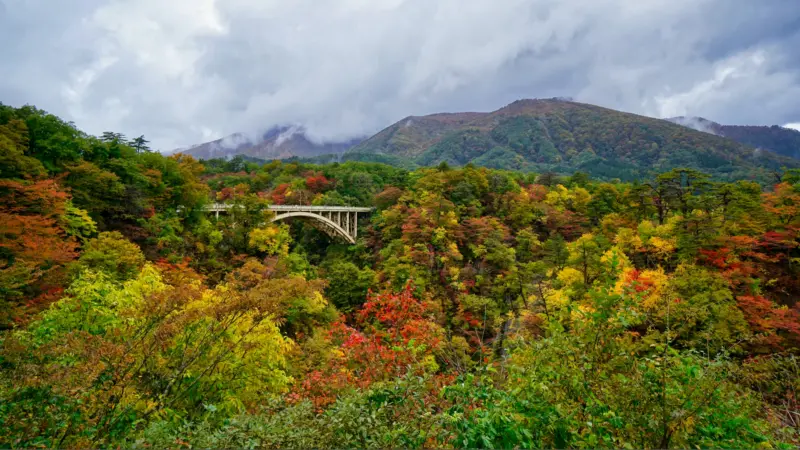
<point>277,143</point>
<point>564,136</point>
<point>783,141</point>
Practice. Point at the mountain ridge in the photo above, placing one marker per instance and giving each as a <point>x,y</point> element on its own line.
<point>562,135</point>
<point>556,134</point>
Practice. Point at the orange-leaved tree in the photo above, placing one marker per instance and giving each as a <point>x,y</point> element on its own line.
<point>33,244</point>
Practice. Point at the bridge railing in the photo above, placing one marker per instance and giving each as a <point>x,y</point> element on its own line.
<point>226,206</point>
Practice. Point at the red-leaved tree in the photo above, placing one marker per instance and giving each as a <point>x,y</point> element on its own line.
<point>396,335</point>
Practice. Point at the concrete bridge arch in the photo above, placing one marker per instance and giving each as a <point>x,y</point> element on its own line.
<point>336,221</point>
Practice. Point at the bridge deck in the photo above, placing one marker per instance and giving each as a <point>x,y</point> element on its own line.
<point>319,208</point>
<point>224,207</point>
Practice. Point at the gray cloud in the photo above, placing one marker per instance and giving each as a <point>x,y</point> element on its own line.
<point>186,71</point>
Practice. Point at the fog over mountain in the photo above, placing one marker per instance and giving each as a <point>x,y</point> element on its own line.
<point>277,143</point>
<point>783,140</point>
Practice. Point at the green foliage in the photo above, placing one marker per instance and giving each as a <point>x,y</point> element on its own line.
<point>76,222</point>
<point>704,314</point>
<point>13,144</point>
<point>781,140</point>
<point>457,149</point>
<point>111,254</point>
<point>271,240</point>
<point>94,189</point>
<point>393,414</point>
<point>606,398</point>
<point>348,284</point>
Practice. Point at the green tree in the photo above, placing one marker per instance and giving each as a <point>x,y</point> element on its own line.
<point>111,254</point>
<point>140,144</point>
<point>13,145</point>
<point>347,284</point>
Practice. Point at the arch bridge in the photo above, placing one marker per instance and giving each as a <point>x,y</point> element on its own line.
<point>336,221</point>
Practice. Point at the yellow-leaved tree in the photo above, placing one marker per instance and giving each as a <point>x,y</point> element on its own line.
<point>112,354</point>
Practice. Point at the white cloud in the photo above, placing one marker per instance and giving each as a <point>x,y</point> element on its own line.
<point>794,126</point>
<point>745,88</point>
<point>185,71</point>
<point>713,90</point>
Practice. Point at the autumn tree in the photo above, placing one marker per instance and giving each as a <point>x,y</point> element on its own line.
<point>33,243</point>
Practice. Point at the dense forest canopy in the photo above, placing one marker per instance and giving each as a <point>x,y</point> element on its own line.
<point>782,140</point>
<point>479,308</point>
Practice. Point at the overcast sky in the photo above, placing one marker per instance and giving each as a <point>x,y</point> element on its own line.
<point>186,71</point>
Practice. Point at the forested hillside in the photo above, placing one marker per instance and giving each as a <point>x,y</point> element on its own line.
<point>780,140</point>
<point>564,136</point>
<point>479,308</point>
<point>784,141</point>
